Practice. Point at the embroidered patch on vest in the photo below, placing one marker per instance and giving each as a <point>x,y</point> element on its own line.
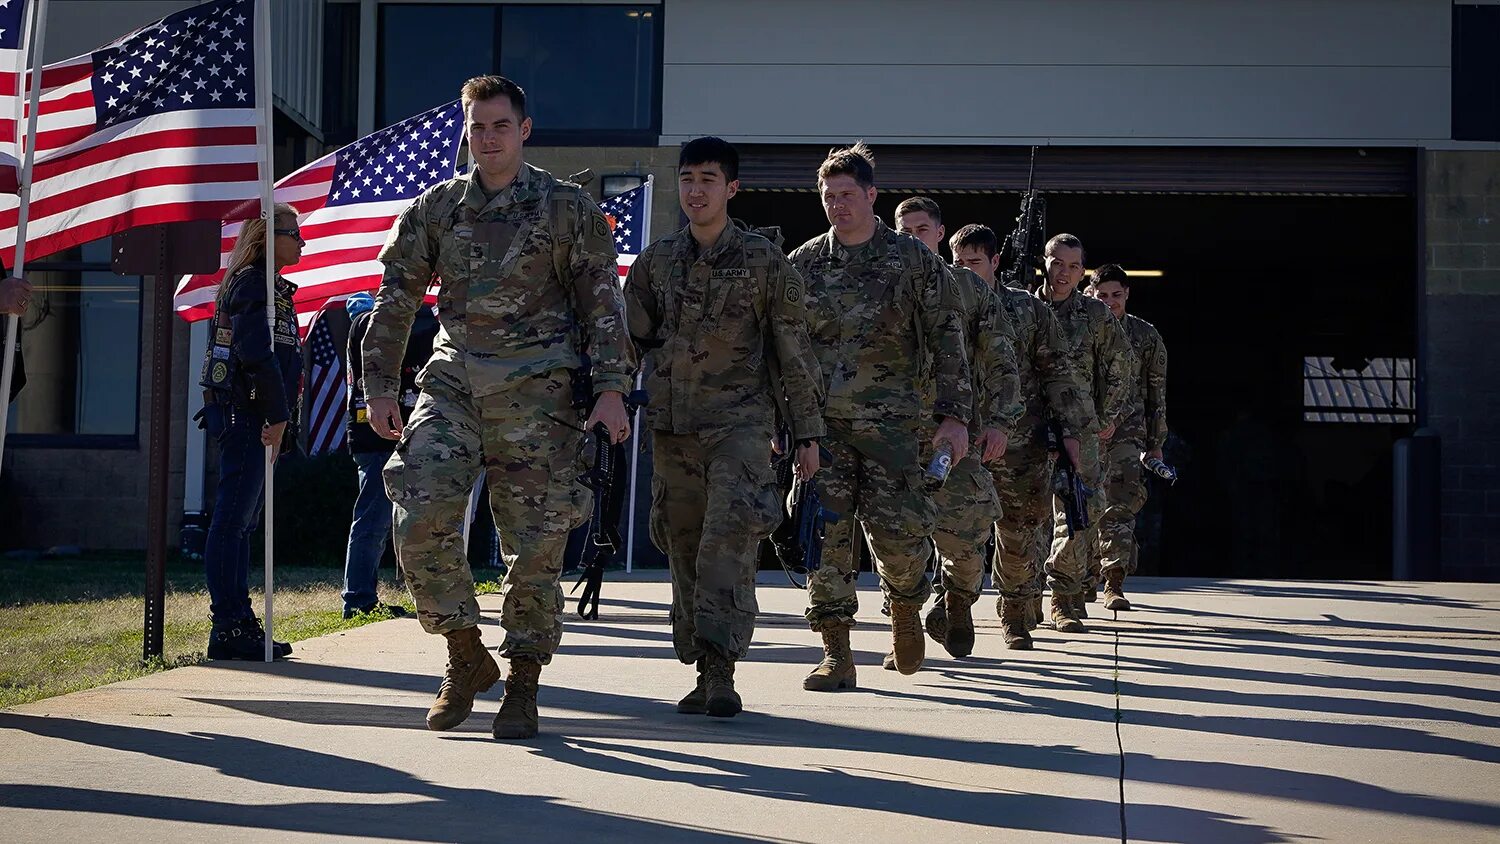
<point>737,272</point>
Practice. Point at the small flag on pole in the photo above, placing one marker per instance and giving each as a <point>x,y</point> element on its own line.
<point>629,216</point>
<point>326,392</point>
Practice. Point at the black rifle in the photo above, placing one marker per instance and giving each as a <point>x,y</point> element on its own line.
<point>1067,484</point>
<point>1021,252</point>
<point>798,540</point>
<point>609,487</point>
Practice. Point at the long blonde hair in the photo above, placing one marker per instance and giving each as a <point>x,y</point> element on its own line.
<point>250,248</point>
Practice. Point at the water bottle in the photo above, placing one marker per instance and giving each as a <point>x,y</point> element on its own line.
<point>941,465</point>
<point>1160,469</point>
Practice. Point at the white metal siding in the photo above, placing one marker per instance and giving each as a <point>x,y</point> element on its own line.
<point>1068,71</point>
<point>297,60</point>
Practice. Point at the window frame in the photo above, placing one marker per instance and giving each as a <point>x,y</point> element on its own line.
<point>98,442</point>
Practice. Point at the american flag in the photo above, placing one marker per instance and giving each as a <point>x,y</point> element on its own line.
<point>326,391</point>
<point>157,127</point>
<point>348,200</point>
<point>13,38</point>
<point>629,216</point>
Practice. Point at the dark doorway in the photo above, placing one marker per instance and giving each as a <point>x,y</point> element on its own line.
<point>1250,287</point>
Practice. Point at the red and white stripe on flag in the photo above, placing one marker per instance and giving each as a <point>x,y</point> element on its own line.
<point>13,41</point>
<point>629,218</point>
<point>347,202</point>
<point>159,126</point>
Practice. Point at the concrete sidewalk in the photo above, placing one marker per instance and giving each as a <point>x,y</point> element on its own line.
<point>1221,711</point>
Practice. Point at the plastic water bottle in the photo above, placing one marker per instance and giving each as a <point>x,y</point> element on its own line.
<point>941,465</point>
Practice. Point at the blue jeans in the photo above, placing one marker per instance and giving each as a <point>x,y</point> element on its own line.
<point>368,533</point>
<point>237,506</point>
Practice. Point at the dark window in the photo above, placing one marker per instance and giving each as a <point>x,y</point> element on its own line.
<point>81,343</point>
<point>590,72</point>
<point>586,69</point>
<point>426,53</point>
<point>1476,72</point>
<point>340,73</point>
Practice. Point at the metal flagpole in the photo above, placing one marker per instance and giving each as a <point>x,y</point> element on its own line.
<point>267,213</point>
<point>31,46</point>
<point>635,424</point>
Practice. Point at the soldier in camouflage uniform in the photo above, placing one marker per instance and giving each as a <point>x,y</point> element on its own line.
<point>884,322</point>
<point>1100,353</point>
<point>967,505</point>
<point>1141,435</point>
<point>527,266</point>
<point>1050,390</point>
<point>723,314</point>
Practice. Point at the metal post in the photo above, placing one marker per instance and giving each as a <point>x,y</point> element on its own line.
<point>158,455</point>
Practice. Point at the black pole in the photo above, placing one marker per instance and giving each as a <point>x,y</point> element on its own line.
<point>158,457</point>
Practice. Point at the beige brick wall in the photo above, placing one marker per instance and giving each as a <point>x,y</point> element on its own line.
<point>1462,230</point>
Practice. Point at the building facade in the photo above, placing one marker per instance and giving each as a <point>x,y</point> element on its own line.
<point>1308,189</point>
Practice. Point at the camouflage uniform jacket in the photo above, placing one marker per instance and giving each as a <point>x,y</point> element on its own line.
<point>527,279</point>
<point>1098,350</point>
<point>884,320</point>
<point>1146,417</point>
<point>992,346</point>
<point>1049,387</point>
<point>719,322</point>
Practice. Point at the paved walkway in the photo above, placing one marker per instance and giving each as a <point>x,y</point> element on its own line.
<point>1222,711</point>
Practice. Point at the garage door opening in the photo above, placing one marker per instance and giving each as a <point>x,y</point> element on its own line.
<point>1290,325</point>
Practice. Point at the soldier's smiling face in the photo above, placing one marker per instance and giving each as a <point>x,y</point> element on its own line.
<point>1064,269</point>
<point>849,206</point>
<point>1113,294</point>
<point>704,193</point>
<point>496,135</point>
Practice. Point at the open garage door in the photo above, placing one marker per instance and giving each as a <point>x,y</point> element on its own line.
<point>1283,281</point>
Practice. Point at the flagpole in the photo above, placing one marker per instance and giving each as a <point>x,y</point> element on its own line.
<point>32,46</point>
<point>267,213</point>
<point>635,425</point>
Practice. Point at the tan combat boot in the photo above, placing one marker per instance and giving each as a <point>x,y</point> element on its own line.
<point>936,621</point>
<point>696,701</point>
<point>836,671</point>
<point>1062,614</point>
<point>1013,625</point>
<point>958,640</point>
<point>723,701</point>
<point>1034,614</point>
<point>1080,606</point>
<point>517,716</point>
<point>471,670</point>
<point>907,643</point>
<point>1114,590</point>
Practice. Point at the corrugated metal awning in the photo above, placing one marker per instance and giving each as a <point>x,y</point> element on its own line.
<point>1239,171</point>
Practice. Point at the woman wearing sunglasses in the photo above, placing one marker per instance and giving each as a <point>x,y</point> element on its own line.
<point>252,374</point>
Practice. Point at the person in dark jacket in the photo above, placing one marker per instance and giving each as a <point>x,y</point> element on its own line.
<point>371,526</point>
<point>252,375</point>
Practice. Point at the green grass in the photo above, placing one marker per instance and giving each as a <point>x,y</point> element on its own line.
<point>73,624</point>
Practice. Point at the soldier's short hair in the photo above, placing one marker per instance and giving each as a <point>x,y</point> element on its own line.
<point>920,205</point>
<point>975,236</point>
<point>482,88</point>
<point>856,161</point>
<point>711,150</point>
<point>1067,240</point>
<point>1109,272</point>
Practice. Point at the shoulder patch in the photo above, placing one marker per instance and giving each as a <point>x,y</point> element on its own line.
<point>601,226</point>
<point>793,294</point>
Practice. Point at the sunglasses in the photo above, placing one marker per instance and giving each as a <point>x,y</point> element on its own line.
<point>295,233</point>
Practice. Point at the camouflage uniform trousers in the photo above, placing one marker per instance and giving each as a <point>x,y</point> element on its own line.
<point>875,480</point>
<point>1124,496</point>
<point>1023,483</point>
<point>1069,560</point>
<point>713,498</point>
<point>532,460</point>
<point>967,509</point>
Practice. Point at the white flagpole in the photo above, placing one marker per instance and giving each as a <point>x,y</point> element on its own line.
<point>31,46</point>
<point>635,424</point>
<point>267,213</point>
